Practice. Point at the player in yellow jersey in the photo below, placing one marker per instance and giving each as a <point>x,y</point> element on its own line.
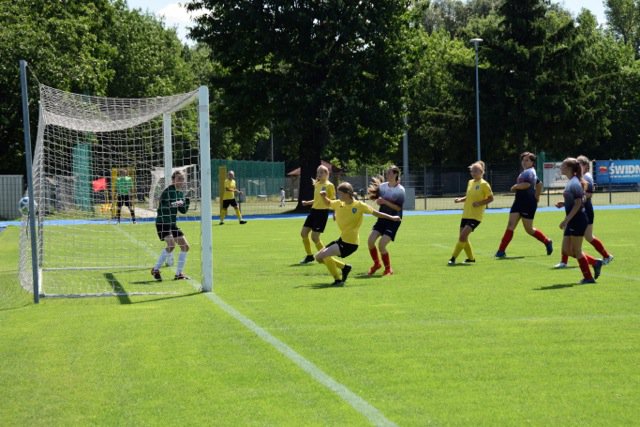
<point>229,198</point>
<point>478,196</point>
<point>317,219</point>
<point>349,212</point>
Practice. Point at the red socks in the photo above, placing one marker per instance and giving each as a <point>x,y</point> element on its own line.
<point>584,267</point>
<point>374,255</point>
<point>386,261</point>
<point>506,238</point>
<point>540,236</point>
<point>596,243</point>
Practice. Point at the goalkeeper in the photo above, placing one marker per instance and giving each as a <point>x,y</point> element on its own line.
<point>124,184</point>
<point>172,201</point>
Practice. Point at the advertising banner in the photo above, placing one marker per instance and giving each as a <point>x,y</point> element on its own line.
<point>617,172</point>
<point>551,175</point>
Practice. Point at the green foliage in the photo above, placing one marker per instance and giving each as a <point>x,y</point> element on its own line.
<point>325,76</point>
<point>97,47</point>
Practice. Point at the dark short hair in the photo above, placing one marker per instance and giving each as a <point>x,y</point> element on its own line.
<point>529,155</point>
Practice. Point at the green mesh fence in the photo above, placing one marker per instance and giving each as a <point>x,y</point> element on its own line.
<point>255,179</point>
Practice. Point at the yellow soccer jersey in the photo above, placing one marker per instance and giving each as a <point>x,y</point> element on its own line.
<point>231,184</point>
<point>349,219</point>
<point>318,201</point>
<point>476,191</point>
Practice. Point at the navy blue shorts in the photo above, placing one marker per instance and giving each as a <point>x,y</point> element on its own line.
<point>526,208</point>
<point>165,230</point>
<point>386,227</point>
<point>346,249</point>
<point>317,220</point>
<point>473,223</point>
<point>577,226</point>
<point>588,208</point>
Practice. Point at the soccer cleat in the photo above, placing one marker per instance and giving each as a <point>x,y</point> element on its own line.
<point>308,259</point>
<point>596,269</point>
<point>375,267</point>
<point>243,222</point>
<point>156,274</point>
<point>587,281</point>
<point>560,265</point>
<point>452,261</point>
<point>549,246</point>
<point>345,272</point>
<point>221,223</point>
<point>388,272</point>
<point>180,276</point>
<point>607,260</point>
<point>337,282</point>
<point>501,254</point>
<point>469,261</point>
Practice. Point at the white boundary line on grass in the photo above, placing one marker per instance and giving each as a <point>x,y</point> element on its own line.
<point>359,404</point>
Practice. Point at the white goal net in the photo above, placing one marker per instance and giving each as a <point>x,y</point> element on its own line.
<point>99,166</point>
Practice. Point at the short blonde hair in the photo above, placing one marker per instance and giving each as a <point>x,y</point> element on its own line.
<point>479,163</point>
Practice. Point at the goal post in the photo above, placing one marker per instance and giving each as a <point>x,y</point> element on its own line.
<point>82,143</point>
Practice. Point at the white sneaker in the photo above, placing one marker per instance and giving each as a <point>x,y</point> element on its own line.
<point>607,260</point>
<point>560,265</point>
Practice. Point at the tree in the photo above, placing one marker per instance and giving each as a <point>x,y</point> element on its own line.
<point>325,74</point>
<point>623,17</point>
<point>97,47</point>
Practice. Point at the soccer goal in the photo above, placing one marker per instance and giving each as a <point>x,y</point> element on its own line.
<point>96,234</point>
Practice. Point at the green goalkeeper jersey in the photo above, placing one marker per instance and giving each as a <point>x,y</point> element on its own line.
<point>172,201</point>
<point>124,185</point>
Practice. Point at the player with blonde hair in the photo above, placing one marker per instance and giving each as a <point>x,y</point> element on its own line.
<point>478,196</point>
<point>316,221</point>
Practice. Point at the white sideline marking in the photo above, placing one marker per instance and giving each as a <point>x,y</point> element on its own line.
<point>359,404</point>
<point>373,415</point>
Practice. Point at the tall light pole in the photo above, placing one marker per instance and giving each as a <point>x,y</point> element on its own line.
<point>475,42</point>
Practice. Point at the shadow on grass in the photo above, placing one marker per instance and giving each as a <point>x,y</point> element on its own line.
<point>119,290</point>
<point>559,286</point>
<point>124,297</point>
<point>167,297</point>
<point>509,258</point>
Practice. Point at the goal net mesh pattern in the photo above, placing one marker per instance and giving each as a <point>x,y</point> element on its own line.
<point>99,167</point>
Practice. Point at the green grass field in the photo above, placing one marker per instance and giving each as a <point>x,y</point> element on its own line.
<point>503,342</point>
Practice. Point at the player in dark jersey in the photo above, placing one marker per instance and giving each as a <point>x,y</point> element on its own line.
<point>172,201</point>
<point>575,222</point>
<point>524,206</point>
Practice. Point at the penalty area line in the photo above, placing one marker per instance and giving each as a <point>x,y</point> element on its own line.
<point>359,404</point>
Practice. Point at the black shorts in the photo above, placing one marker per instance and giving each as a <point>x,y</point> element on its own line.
<point>526,208</point>
<point>229,202</point>
<point>346,249</point>
<point>472,223</point>
<point>123,199</point>
<point>165,230</point>
<point>317,220</point>
<point>577,226</point>
<point>588,209</point>
<point>387,227</point>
